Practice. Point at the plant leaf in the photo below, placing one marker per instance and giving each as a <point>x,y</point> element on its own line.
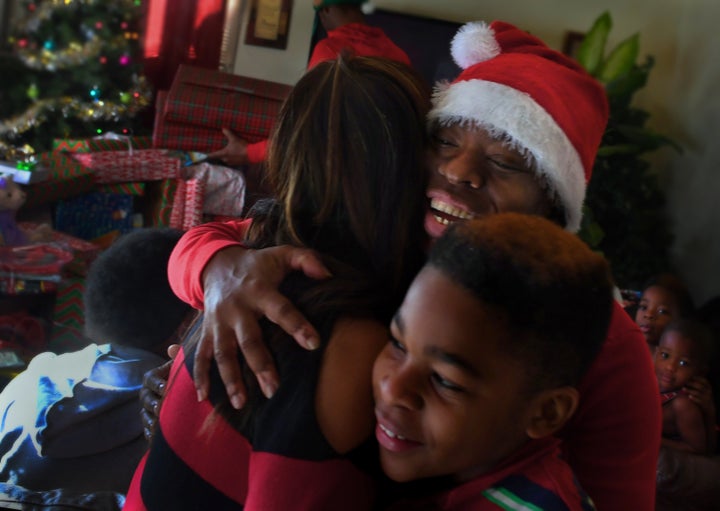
<point>621,60</point>
<point>592,49</point>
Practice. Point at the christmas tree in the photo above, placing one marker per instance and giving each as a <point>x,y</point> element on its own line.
<point>76,68</point>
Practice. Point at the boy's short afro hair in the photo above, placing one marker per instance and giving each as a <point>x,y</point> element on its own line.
<point>553,291</point>
<point>128,299</point>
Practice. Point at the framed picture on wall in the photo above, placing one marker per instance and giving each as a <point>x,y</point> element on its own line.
<point>572,42</point>
<point>268,23</point>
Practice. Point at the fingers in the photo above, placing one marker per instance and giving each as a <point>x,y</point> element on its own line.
<point>173,350</point>
<point>229,134</point>
<point>149,412</point>
<point>148,423</point>
<point>281,311</point>
<point>201,366</point>
<point>308,262</point>
<point>225,348</point>
<point>156,379</point>
<point>256,356</point>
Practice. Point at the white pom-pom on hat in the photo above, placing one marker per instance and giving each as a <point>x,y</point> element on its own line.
<point>474,42</point>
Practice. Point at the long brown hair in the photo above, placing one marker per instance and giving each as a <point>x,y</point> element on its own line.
<point>347,167</point>
<point>346,163</point>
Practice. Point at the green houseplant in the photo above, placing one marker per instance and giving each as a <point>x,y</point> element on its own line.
<point>624,214</point>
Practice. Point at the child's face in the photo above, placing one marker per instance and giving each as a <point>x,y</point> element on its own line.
<point>655,310</point>
<point>675,361</point>
<point>448,400</point>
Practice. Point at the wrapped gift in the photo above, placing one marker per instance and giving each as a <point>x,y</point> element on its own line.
<point>224,189</point>
<point>95,214</point>
<point>83,252</point>
<point>216,99</point>
<point>161,198</point>
<point>172,135</point>
<point>137,189</point>
<point>187,209</point>
<point>108,142</point>
<point>68,178</point>
<point>203,101</point>
<point>129,166</point>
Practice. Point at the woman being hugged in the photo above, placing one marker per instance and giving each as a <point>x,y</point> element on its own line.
<point>346,167</point>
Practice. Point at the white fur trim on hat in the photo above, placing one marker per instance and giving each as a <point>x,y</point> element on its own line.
<point>503,110</point>
<point>474,42</point>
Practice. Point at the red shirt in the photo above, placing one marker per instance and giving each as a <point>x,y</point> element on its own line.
<point>613,440</point>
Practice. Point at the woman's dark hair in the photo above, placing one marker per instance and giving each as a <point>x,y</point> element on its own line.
<point>346,165</point>
<point>551,290</point>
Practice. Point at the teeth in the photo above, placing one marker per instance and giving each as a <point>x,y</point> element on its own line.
<point>446,208</point>
<point>391,434</point>
<point>441,220</point>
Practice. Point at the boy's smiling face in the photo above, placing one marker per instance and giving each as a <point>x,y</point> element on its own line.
<point>449,400</point>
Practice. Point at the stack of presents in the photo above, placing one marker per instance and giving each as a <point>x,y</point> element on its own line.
<point>100,188</point>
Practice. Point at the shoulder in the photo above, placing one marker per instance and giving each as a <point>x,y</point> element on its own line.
<point>343,399</point>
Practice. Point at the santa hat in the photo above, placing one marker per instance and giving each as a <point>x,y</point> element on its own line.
<point>513,85</point>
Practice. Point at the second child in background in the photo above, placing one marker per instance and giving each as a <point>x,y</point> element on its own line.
<point>664,298</point>
<point>683,353</point>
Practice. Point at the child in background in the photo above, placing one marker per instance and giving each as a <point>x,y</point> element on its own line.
<point>665,297</point>
<point>71,421</point>
<point>683,353</point>
<point>486,350</point>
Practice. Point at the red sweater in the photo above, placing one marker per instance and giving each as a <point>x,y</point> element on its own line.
<point>362,40</point>
<point>533,478</point>
<point>613,440</point>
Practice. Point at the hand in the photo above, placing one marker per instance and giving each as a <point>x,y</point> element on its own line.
<point>234,153</point>
<point>153,391</point>
<point>241,286</point>
<point>700,391</point>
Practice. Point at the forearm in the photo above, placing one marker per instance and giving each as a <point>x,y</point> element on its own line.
<point>194,250</point>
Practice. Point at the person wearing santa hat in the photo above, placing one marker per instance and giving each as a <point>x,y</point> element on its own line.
<point>517,131</point>
<point>347,30</point>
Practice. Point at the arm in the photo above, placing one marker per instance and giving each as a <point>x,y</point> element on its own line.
<point>238,151</point>
<point>344,400</point>
<point>690,426</point>
<point>700,391</point>
<point>612,442</point>
<point>209,268</point>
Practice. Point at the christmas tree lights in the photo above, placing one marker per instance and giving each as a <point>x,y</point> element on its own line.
<point>77,70</point>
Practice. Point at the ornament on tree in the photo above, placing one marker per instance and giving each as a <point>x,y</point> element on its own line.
<point>81,61</point>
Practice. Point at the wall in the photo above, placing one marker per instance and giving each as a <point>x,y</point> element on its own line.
<point>681,95</point>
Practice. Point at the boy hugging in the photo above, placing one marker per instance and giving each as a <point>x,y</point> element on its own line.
<point>481,371</point>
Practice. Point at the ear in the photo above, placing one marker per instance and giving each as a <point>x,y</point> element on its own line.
<point>550,410</point>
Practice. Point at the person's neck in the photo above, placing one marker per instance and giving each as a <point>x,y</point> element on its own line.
<point>346,18</point>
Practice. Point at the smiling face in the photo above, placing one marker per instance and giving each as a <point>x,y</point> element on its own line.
<point>656,309</point>
<point>473,175</point>
<point>449,399</point>
<point>676,361</point>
